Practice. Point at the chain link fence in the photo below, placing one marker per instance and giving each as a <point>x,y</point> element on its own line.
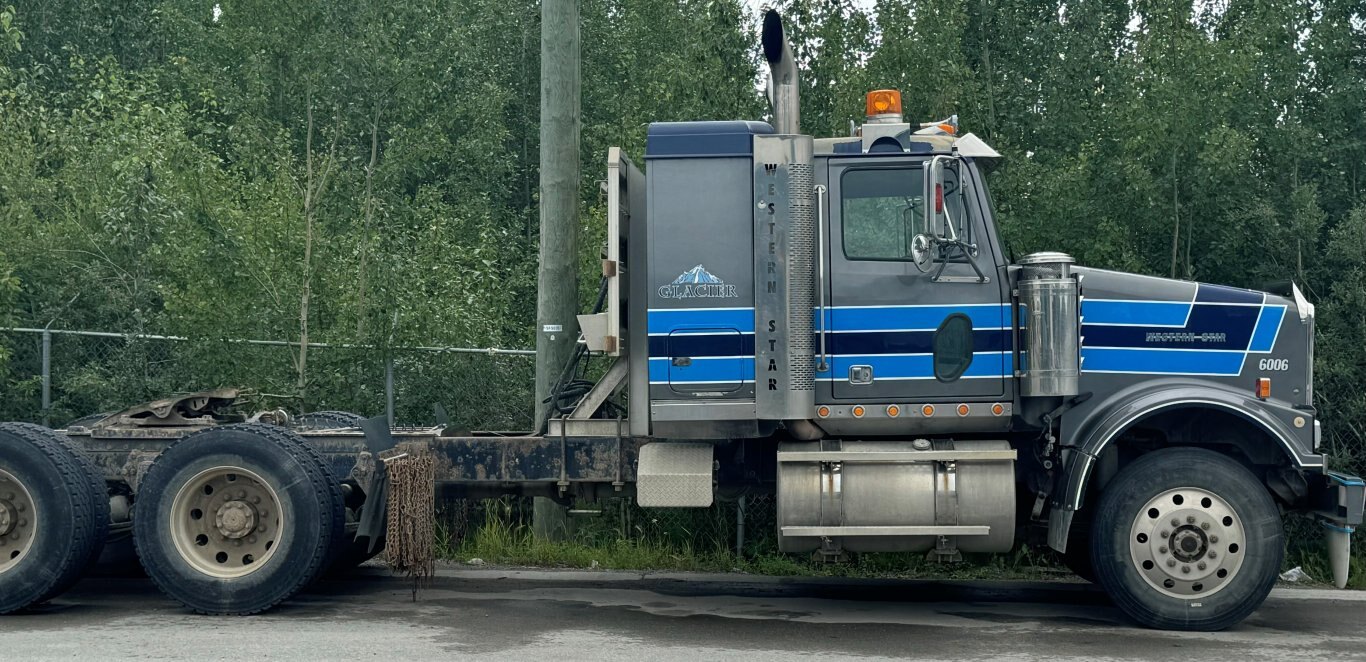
<point>53,376</point>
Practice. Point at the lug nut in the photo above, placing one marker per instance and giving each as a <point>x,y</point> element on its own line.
<point>1171,563</point>
<point>1213,554</point>
<point>1204,525</point>
<point>1200,565</point>
<point>1166,533</point>
<point>1176,522</point>
<point>1162,549</point>
<point>241,494</point>
<point>256,499</point>
<point>1214,538</point>
<point>1190,519</point>
<point>1185,570</point>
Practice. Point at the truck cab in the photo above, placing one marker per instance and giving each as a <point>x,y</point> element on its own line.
<point>837,320</point>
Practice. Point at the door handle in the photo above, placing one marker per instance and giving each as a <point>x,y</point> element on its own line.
<point>860,374</point>
<point>682,361</point>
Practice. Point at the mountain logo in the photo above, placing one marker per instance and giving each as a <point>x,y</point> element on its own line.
<point>697,283</point>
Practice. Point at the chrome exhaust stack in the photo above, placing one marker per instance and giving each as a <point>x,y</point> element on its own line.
<point>783,82</point>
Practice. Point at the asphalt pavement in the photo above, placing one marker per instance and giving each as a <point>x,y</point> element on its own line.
<point>495,614</point>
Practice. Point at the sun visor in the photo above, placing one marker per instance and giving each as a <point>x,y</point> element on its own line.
<point>971,145</point>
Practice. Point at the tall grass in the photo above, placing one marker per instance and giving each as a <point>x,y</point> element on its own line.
<point>625,537</point>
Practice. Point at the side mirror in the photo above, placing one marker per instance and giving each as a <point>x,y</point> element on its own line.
<point>938,224</point>
<point>944,237</point>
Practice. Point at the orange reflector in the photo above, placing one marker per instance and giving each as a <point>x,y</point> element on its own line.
<point>963,410</point>
<point>1263,387</point>
<point>893,411</point>
<point>858,411</point>
<point>938,198</point>
<point>823,412</point>
<point>927,410</point>
<point>997,409</point>
<point>883,102</point>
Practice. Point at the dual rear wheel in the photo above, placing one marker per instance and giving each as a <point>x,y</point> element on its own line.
<point>235,519</point>
<point>54,514</point>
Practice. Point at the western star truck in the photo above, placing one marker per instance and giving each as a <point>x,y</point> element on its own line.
<point>834,321</point>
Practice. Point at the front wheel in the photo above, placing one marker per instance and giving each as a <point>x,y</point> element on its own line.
<point>1186,539</point>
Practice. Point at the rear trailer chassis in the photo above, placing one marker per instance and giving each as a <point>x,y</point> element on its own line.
<point>475,466</point>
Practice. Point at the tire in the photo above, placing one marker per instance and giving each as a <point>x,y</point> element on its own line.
<point>341,541</point>
<point>46,483</point>
<point>1187,539</point>
<point>272,530</point>
<point>327,420</point>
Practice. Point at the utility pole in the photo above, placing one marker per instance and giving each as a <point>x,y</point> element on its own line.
<point>557,291</point>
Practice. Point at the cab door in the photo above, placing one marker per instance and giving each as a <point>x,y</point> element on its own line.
<point>895,333</point>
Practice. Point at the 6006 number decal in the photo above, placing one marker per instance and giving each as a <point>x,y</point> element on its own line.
<point>1274,364</point>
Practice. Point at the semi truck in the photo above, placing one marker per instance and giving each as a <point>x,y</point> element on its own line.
<point>834,321</point>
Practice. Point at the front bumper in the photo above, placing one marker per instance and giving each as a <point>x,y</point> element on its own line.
<point>1337,498</point>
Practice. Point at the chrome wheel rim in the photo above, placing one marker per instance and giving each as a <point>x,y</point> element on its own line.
<point>1187,543</point>
<point>18,521</point>
<point>226,522</point>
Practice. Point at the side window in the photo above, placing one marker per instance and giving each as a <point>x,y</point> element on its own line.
<point>881,210</point>
<point>952,347</point>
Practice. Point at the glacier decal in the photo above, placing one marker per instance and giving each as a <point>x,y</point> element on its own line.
<point>697,283</point>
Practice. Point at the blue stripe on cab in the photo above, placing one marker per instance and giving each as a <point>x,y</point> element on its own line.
<point>1209,327</point>
<point>1268,323</point>
<point>668,321</point>
<point>909,342</point>
<point>924,318</point>
<point>1173,362</point>
<point>702,371</point>
<point>919,366</point>
<point>1150,313</point>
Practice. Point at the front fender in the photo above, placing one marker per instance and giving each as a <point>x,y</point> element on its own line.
<point>1088,430</point>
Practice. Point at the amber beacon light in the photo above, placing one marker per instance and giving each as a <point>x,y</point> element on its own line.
<point>883,102</point>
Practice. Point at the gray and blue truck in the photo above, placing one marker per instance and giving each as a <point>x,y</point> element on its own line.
<point>833,321</point>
